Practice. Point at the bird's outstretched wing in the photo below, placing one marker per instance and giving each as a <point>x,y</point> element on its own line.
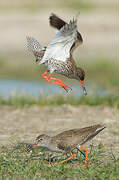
<point>57,23</point>
<point>35,47</point>
<point>60,46</point>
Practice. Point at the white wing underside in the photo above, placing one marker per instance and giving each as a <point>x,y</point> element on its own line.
<point>59,48</point>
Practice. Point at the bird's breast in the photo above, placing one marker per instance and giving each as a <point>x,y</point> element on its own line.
<point>60,67</point>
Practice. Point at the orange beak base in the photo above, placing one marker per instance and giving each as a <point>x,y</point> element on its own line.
<point>35,145</point>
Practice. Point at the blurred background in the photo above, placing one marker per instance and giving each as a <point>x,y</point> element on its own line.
<point>98,55</point>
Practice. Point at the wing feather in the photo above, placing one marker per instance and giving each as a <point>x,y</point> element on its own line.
<point>67,140</point>
<point>57,23</point>
<point>59,48</point>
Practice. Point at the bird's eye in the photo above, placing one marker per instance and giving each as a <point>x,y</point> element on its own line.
<point>40,139</point>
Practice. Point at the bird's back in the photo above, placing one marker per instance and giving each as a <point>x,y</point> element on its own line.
<point>68,140</point>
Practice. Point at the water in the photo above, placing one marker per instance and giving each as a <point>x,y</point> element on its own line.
<point>31,88</point>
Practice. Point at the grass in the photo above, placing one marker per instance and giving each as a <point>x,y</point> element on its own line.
<point>17,163</point>
<point>91,100</point>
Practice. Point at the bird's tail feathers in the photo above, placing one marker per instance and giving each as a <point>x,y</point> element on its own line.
<point>33,44</point>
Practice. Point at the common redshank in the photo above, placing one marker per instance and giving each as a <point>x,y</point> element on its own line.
<point>69,140</point>
<point>57,56</point>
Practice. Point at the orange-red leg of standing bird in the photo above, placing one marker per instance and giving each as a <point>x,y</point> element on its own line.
<point>86,150</point>
<point>57,81</point>
<point>67,159</point>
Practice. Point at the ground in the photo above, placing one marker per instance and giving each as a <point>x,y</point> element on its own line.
<point>25,124</point>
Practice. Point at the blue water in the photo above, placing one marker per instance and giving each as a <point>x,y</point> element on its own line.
<point>31,88</point>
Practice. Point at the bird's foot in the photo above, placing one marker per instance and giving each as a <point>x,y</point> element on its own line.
<point>67,88</point>
<point>61,84</point>
<point>55,81</point>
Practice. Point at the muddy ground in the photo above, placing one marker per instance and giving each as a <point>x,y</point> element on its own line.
<point>25,124</point>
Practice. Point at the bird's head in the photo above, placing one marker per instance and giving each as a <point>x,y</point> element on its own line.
<point>81,77</point>
<point>41,140</point>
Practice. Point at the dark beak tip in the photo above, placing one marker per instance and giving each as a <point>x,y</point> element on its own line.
<point>84,91</point>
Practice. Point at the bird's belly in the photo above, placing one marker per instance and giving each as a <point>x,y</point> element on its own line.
<point>59,67</point>
<point>55,149</point>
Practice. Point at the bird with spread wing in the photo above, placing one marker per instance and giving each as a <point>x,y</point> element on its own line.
<point>57,56</point>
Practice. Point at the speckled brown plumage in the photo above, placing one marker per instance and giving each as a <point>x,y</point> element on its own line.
<point>57,56</point>
<point>69,140</point>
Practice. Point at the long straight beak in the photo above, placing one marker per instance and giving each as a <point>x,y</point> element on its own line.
<point>84,89</point>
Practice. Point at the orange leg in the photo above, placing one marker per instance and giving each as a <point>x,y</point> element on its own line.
<point>57,81</point>
<point>86,150</point>
<point>67,159</point>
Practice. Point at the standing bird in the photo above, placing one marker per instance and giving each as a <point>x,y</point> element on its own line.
<point>57,56</point>
<point>69,140</point>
